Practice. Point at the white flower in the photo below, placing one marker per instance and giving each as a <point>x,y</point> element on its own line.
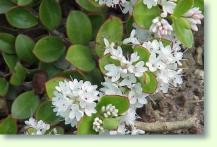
<point>132,39</point>
<point>194,17</point>
<point>110,3</point>
<point>98,125</point>
<point>34,127</point>
<point>168,7</point>
<point>130,117</point>
<point>128,6</point>
<point>135,131</point>
<point>150,3</point>
<point>108,46</point>
<point>161,27</point>
<point>73,99</point>
<point>110,88</point>
<point>113,71</point>
<point>109,111</point>
<point>120,131</point>
<point>136,97</point>
<point>128,80</point>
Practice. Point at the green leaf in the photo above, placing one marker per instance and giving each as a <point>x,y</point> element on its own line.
<point>24,46</point>
<point>80,56</point>
<point>78,28</point>
<point>49,49</point>
<point>56,131</point>
<point>7,43</point>
<point>49,68</point>
<point>149,82</point>
<point>85,126</point>
<point>183,31</point>
<point>24,105</point>
<point>143,16</point>
<point>8,126</point>
<point>21,18</point>
<point>50,13</point>
<point>104,60</point>
<point>199,4</point>
<point>97,20</point>
<point>89,6</point>
<point>24,2</point>
<point>112,29</point>
<point>45,113</point>
<point>5,5</point>
<point>143,53</point>
<point>18,75</point>
<point>111,123</point>
<point>182,7</point>
<point>4,85</point>
<point>120,102</point>
<point>10,61</point>
<point>51,85</point>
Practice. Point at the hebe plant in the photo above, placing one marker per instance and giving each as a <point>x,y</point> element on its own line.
<point>45,42</point>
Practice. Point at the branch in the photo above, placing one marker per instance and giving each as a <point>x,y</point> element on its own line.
<point>167,126</point>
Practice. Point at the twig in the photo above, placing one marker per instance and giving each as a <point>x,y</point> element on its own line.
<point>167,126</point>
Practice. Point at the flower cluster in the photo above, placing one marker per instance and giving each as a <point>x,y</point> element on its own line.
<point>73,99</point>
<point>164,60</point>
<point>97,125</point>
<point>122,79</point>
<point>109,111</point>
<point>34,127</point>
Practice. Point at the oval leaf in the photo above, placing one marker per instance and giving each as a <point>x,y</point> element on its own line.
<point>46,114</point>
<point>183,32</point>
<point>7,43</point>
<point>89,6</point>
<point>80,56</point>
<point>182,7</point>
<point>24,105</point>
<point>149,82</point>
<point>49,49</point>
<point>21,18</point>
<point>112,29</point>
<point>51,85</point>
<point>106,60</point>
<point>120,102</point>
<point>10,61</point>
<point>78,27</point>
<point>5,5</point>
<point>24,46</point>
<point>18,75</point>
<point>143,16</point>
<point>8,126</point>
<point>50,13</point>
<point>85,126</point>
<point>24,2</point>
<point>143,53</point>
<point>111,123</point>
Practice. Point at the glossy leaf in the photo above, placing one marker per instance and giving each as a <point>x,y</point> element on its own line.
<point>21,18</point>
<point>120,102</point>
<point>78,28</point>
<point>25,105</point>
<point>45,113</point>
<point>18,75</point>
<point>8,126</point>
<point>111,123</point>
<point>24,2</point>
<point>112,29</point>
<point>10,60</point>
<point>143,53</point>
<point>80,56</point>
<point>50,13</point>
<point>85,126</point>
<point>143,16</point>
<point>51,85</point>
<point>4,85</point>
<point>24,46</point>
<point>183,31</point>
<point>5,5</point>
<point>149,82</point>
<point>182,7</point>
<point>49,49</point>
<point>7,43</point>
<point>89,6</point>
